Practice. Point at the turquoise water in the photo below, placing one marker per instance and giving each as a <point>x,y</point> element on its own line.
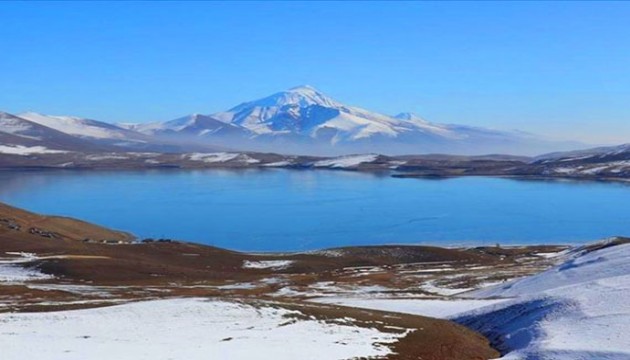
<point>277,210</point>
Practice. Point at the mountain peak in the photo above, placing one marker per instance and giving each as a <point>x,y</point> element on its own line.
<point>409,116</point>
<point>303,88</point>
<point>300,96</point>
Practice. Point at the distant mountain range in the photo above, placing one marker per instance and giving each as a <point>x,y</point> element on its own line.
<point>33,140</point>
<point>300,120</point>
<point>66,133</point>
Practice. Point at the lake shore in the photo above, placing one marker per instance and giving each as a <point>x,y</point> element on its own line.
<point>67,265</point>
<point>407,166</point>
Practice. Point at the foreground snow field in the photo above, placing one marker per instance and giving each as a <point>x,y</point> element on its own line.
<point>577,310</point>
<point>185,329</point>
<point>436,308</point>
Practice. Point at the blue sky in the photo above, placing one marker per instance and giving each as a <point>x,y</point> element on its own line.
<point>560,69</point>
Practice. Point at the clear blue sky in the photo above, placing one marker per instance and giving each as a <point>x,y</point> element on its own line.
<point>561,69</point>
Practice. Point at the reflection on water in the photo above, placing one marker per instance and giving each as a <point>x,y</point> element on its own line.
<point>278,209</point>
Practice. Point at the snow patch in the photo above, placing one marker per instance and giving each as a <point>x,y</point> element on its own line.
<point>267,264</point>
<point>425,307</point>
<point>106,157</point>
<point>27,150</point>
<point>220,157</point>
<point>12,272</point>
<point>346,161</point>
<point>76,126</point>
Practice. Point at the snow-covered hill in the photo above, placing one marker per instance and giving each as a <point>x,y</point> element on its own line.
<point>187,329</point>
<point>576,310</point>
<point>192,125</point>
<point>608,162</point>
<point>33,133</point>
<point>594,154</point>
<point>19,133</point>
<point>80,127</point>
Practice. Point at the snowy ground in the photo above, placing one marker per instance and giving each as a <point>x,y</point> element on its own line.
<point>426,307</point>
<point>184,329</point>
<point>577,310</point>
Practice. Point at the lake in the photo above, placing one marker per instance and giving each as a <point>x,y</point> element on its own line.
<point>281,210</point>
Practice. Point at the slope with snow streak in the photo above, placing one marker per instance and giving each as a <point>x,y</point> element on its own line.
<point>192,125</point>
<point>343,162</point>
<point>12,269</point>
<point>76,126</point>
<point>437,308</point>
<point>16,131</point>
<point>27,150</point>
<point>577,310</point>
<point>184,329</point>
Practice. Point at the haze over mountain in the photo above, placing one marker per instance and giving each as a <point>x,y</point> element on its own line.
<point>301,120</point>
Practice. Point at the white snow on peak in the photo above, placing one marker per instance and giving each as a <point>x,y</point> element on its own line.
<point>303,110</point>
<point>411,117</point>
<point>305,114</point>
<point>258,115</point>
<point>302,96</point>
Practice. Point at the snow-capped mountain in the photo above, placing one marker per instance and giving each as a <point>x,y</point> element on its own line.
<point>68,133</point>
<point>195,125</point>
<point>81,127</point>
<point>17,131</point>
<point>304,120</point>
<point>301,120</point>
<point>307,112</point>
